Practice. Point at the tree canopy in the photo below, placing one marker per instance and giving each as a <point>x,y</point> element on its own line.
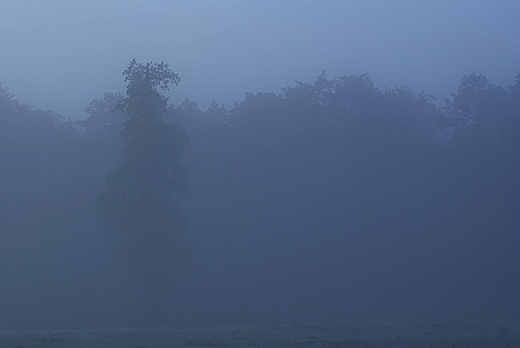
<point>138,200</point>
<point>321,191</point>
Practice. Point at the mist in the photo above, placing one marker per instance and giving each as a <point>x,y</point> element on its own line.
<point>347,162</point>
<point>60,55</point>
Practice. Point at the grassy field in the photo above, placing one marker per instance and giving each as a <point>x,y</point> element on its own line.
<point>344,336</point>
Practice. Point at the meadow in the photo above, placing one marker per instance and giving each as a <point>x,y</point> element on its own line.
<point>331,336</point>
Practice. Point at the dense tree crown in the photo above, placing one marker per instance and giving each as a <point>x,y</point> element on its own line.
<point>143,99</point>
<point>152,168</point>
<point>138,202</point>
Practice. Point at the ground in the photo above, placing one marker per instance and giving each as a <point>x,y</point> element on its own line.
<point>331,336</point>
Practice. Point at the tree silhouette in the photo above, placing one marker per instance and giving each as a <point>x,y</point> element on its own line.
<point>138,201</point>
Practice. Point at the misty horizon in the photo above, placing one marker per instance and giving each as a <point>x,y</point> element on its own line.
<point>60,55</point>
<point>285,165</point>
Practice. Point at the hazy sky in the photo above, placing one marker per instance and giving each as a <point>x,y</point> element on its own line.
<point>60,54</point>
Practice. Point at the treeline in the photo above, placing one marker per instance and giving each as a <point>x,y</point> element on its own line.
<point>335,189</point>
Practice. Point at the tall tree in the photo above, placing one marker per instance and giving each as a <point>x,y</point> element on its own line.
<point>138,202</point>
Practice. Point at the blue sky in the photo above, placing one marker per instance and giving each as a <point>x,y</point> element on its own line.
<point>59,55</point>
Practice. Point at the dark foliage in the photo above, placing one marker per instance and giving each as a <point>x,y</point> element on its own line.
<point>137,202</point>
<point>376,204</point>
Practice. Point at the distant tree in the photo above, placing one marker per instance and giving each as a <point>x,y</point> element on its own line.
<point>103,119</point>
<point>482,154</point>
<point>7,109</point>
<point>512,135</point>
<point>485,116</point>
<point>477,100</point>
<point>138,199</point>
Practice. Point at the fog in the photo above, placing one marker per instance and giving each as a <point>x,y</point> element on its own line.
<point>328,180</point>
<point>59,55</point>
